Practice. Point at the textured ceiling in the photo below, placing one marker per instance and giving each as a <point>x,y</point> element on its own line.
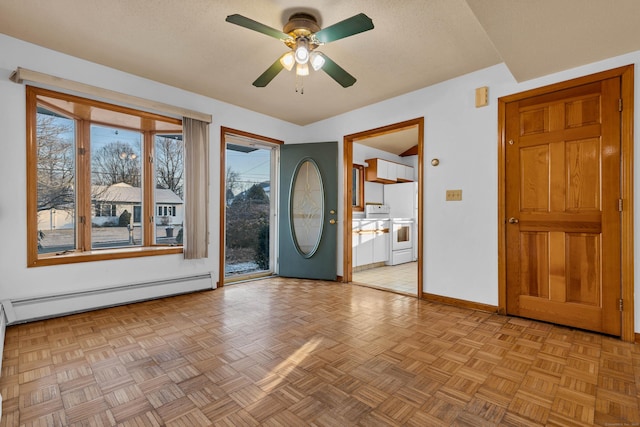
<point>415,43</point>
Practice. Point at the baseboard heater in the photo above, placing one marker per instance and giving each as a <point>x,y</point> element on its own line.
<point>22,310</point>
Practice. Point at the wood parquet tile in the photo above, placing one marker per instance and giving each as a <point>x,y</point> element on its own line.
<point>287,352</point>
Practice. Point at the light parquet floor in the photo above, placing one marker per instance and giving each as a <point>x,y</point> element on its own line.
<point>401,278</point>
<point>286,352</point>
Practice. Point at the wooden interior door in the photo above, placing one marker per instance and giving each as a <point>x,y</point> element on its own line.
<point>563,202</point>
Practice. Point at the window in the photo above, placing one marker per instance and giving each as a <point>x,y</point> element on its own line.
<point>105,210</point>
<point>357,188</point>
<point>167,211</point>
<point>96,173</point>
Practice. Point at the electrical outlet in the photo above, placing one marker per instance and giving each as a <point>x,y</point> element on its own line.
<point>454,195</point>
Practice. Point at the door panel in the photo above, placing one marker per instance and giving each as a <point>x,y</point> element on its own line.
<point>308,209</point>
<point>562,191</point>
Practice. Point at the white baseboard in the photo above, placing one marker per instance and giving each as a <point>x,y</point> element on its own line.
<point>46,306</point>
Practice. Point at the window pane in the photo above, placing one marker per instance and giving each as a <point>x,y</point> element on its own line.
<point>55,137</point>
<point>307,208</point>
<point>169,192</point>
<point>116,174</point>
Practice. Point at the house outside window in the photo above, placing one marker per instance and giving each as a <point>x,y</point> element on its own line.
<point>105,210</point>
<point>97,175</point>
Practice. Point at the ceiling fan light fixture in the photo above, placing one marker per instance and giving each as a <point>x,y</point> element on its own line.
<point>302,50</point>
<point>302,70</point>
<point>302,35</point>
<point>288,61</point>
<point>317,60</point>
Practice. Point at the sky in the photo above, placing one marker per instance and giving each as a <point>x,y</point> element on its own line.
<point>101,136</point>
<point>253,167</point>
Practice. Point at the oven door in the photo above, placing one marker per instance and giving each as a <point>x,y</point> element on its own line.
<point>402,237</point>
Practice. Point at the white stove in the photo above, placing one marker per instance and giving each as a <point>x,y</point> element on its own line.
<point>377,211</point>
<point>402,232</point>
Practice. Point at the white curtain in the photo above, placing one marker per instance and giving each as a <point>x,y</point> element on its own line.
<point>196,224</point>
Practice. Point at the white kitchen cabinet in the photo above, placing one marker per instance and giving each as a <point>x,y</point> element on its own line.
<point>365,246</point>
<point>386,172</point>
<point>389,170</point>
<point>380,170</point>
<point>381,243</point>
<point>404,173</point>
<point>370,242</point>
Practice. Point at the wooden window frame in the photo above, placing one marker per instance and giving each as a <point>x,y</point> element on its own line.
<point>359,206</point>
<point>84,252</point>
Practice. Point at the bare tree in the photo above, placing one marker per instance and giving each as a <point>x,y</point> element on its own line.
<point>169,160</point>
<point>55,163</point>
<point>232,182</point>
<point>114,163</point>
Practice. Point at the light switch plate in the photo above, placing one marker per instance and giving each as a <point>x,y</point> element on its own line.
<point>454,195</point>
<point>482,96</point>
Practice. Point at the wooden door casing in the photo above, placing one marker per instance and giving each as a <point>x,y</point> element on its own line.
<point>562,184</point>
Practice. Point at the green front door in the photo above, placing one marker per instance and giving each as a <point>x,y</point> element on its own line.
<point>308,210</point>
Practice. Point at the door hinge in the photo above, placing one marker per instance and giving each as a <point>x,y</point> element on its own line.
<point>620,305</point>
<point>150,159</point>
<point>151,219</point>
<point>82,220</point>
<point>620,205</point>
<point>81,151</point>
<point>620,104</point>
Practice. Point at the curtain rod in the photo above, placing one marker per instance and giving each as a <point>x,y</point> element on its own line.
<point>21,75</point>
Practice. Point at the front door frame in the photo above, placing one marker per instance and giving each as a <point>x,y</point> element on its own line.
<point>347,262</point>
<point>223,193</point>
<point>626,172</point>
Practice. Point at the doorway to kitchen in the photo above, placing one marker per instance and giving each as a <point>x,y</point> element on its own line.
<point>383,207</point>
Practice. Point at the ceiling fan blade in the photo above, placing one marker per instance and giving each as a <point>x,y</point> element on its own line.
<point>257,26</point>
<point>268,75</point>
<point>337,73</point>
<point>350,26</point>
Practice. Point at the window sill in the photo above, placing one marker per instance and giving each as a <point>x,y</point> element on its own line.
<point>102,255</point>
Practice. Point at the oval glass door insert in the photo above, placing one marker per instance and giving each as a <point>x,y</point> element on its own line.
<point>307,207</point>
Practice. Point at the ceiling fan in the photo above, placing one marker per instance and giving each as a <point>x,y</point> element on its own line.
<point>303,36</point>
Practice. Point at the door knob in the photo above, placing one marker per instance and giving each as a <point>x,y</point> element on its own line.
<point>513,220</point>
<point>332,221</point>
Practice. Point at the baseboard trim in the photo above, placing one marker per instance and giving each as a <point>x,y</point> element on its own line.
<point>637,338</point>
<point>21,310</point>
<point>460,303</point>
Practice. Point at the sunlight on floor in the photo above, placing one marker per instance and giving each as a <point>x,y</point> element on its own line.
<point>280,372</point>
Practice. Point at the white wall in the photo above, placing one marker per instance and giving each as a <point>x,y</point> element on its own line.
<point>461,238</point>
<point>18,281</point>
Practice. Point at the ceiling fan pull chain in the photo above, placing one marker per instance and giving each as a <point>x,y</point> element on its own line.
<point>300,85</point>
